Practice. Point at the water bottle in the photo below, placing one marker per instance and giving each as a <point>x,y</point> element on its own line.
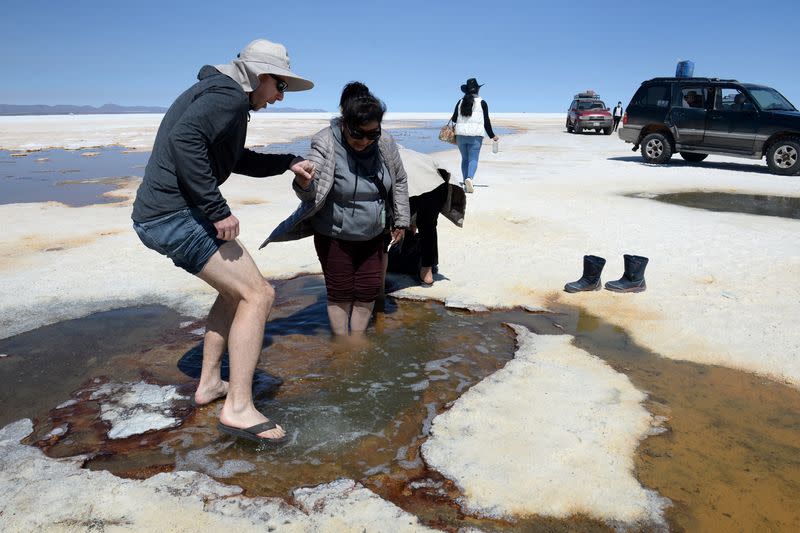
<point>495,146</point>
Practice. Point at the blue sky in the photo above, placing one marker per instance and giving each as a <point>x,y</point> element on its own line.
<point>532,56</point>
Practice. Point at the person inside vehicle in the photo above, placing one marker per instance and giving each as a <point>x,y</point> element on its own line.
<point>693,99</point>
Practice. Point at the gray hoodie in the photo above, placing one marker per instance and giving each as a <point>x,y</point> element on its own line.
<point>199,143</point>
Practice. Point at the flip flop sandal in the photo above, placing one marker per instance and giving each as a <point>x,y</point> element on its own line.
<point>252,432</point>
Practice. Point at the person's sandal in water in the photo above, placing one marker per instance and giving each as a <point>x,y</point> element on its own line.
<point>252,432</point>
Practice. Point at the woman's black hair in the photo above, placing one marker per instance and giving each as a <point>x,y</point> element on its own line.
<point>359,106</point>
<point>468,101</point>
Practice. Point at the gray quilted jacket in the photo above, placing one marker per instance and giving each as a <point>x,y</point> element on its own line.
<point>298,224</point>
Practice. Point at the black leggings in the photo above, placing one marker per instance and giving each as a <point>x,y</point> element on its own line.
<point>427,207</point>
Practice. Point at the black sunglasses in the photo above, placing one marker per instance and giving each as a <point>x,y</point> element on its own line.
<point>372,135</point>
<point>280,85</point>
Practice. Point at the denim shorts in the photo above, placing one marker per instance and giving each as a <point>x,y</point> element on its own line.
<point>185,236</point>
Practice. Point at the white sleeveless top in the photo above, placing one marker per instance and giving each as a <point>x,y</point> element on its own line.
<point>472,125</point>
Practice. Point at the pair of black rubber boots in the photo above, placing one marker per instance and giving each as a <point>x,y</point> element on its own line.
<point>631,281</point>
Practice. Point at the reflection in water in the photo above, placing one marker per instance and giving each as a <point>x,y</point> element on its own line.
<point>728,462</point>
<point>45,365</point>
<point>422,136</point>
<point>67,176</point>
<point>752,204</point>
<point>82,177</point>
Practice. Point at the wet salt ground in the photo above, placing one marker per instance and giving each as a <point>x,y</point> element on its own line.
<point>68,176</point>
<point>46,365</point>
<point>422,137</point>
<point>729,460</point>
<point>752,204</point>
<point>83,177</point>
<point>344,406</point>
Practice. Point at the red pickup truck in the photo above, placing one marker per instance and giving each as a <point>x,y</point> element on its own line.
<point>588,112</point>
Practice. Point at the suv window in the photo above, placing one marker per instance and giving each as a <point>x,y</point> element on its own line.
<point>732,99</point>
<point>591,105</point>
<point>652,95</point>
<point>695,97</point>
<point>771,100</point>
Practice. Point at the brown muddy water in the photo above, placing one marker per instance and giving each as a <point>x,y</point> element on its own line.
<point>751,204</point>
<point>729,460</point>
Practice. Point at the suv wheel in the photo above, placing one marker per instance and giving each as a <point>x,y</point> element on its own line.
<point>569,128</point>
<point>607,131</point>
<point>782,156</point>
<point>576,128</point>
<point>692,157</point>
<point>656,149</point>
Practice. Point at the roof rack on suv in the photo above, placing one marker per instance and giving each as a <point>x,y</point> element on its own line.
<point>588,94</point>
<point>692,79</point>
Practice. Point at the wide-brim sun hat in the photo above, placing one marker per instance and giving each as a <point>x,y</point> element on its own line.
<point>471,85</point>
<point>265,57</point>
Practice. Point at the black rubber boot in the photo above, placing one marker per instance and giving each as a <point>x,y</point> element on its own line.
<point>633,278</point>
<point>592,267</point>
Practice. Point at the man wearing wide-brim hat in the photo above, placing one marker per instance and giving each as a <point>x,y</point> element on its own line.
<point>180,213</point>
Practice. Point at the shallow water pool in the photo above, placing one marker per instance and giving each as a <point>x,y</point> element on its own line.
<point>728,460</point>
<point>84,177</point>
<point>752,204</point>
<point>73,177</point>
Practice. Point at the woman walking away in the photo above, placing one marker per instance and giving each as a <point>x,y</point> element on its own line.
<point>471,117</point>
<point>355,204</point>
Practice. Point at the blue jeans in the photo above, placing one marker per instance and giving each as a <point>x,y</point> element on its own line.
<point>470,148</point>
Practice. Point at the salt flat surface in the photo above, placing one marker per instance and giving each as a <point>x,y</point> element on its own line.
<point>562,426</point>
<point>723,288</point>
<point>134,408</point>
<point>43,494</point>
<point>133,131</point>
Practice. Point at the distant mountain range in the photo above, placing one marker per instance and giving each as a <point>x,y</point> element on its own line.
<point>107,109</point>
<point>110,109</point>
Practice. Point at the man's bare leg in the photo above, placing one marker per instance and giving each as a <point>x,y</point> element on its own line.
<point>339,317</point>
<point>359,317</point>
<point>215,341</point>
<point>232,272</point>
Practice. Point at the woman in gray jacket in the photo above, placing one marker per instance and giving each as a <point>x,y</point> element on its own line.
<point>354,204</point>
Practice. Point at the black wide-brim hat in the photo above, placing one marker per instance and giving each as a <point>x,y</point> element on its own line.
<point>470,86</point>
